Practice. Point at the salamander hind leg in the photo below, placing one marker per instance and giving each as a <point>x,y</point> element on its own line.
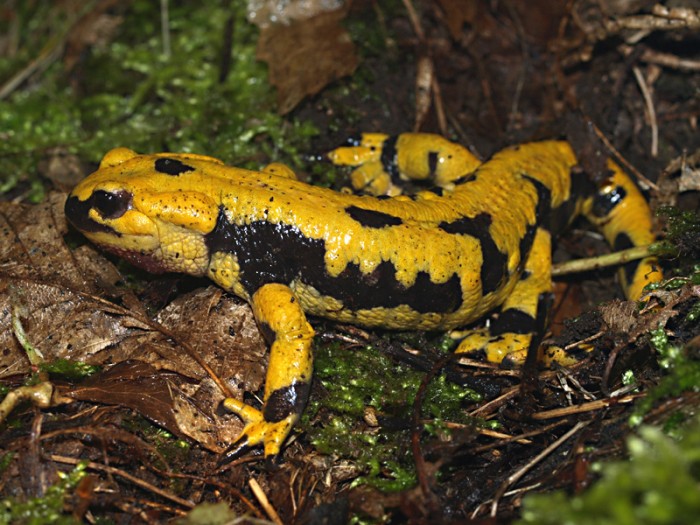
<point>288,380</point>
<point>523,317</point>
<point>623,215</point>
<point>382,162</point>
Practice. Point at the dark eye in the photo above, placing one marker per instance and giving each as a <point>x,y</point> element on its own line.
<point>111,205</point>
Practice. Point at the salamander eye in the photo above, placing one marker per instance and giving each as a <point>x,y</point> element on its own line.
<point>111,205</point>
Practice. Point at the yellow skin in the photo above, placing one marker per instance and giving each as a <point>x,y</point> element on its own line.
<point>436,260</point>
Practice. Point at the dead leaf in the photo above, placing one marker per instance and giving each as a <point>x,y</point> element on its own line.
<point>620,316</point>
<point>306,55</point>
<point>133,384</point>
<point>458,13</point>
<point>62,300</point>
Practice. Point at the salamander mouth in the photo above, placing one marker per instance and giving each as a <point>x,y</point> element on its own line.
<point>142,260</point>
<point>109,205</point>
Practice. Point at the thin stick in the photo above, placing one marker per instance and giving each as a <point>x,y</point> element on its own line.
<point>514,478</point>
<point>264,502</point>
<point>651,112</point>
<point>585,407</point>
<point>601,261</point>
<point>119,472</point>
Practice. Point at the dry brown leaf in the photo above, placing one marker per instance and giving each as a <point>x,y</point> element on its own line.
<point>223,331</point>
<point>458,13</point>
<point>306,55</point>
<point>57,295</point>
<point>133,384</point>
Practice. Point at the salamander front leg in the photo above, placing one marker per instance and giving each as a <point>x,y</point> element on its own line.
<point>288,380</point>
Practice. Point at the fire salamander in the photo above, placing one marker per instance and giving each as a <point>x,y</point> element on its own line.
<point>435,260</point>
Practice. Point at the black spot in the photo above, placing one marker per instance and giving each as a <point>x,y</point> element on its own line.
<point>171,166</point>
<point>267,332</point>
<point>371,218</point>
<point>437,191</point>
<point>622,242</point>
<point>512,321</point>
<point>604,203</point>
<point>433,157</point>
<point>388,158</point>
<point>77,213</point>
<point>286,401</point>
<point>280,253</point>
<point>495,262</point>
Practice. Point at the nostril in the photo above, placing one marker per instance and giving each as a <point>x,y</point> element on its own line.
<point>111,205</point>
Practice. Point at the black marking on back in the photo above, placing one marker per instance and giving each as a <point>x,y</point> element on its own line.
<point>580,186</point>
<point>388,158</point>
<point>372,218</point>
<point>495,262</point>
<point>280,253</point>
<point>171,166</point>
<point>286,401</point>
<point>433,157</point>
<point>544,197</point>
<point>604,203</point>
<point>512,321</point>
<point>622,242</point>
<point>544,206</point>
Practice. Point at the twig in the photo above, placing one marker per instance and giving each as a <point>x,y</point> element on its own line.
<point>119,472</point>
<point>514,478</point>
<point>623,160</point>
<point>602,261</point>
<point>505,396</point>
<point>264,502</point>
<point>651,112</point>
<point>660,19</point>
<point>585,407</point>
<point>520,438</point>
<point>415,22</point>
<point>669,60</point>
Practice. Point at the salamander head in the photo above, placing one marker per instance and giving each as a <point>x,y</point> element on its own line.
<point>148,209</point>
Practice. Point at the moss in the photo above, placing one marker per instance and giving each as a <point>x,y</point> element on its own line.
<point>47,509</point>
<point>72,370</point>
<point>683,374</point>
<point>364,379</point>
<point>683,231</point>
<point>134,95</point>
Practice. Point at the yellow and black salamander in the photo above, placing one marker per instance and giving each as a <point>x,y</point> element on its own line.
<point>436,260</point>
